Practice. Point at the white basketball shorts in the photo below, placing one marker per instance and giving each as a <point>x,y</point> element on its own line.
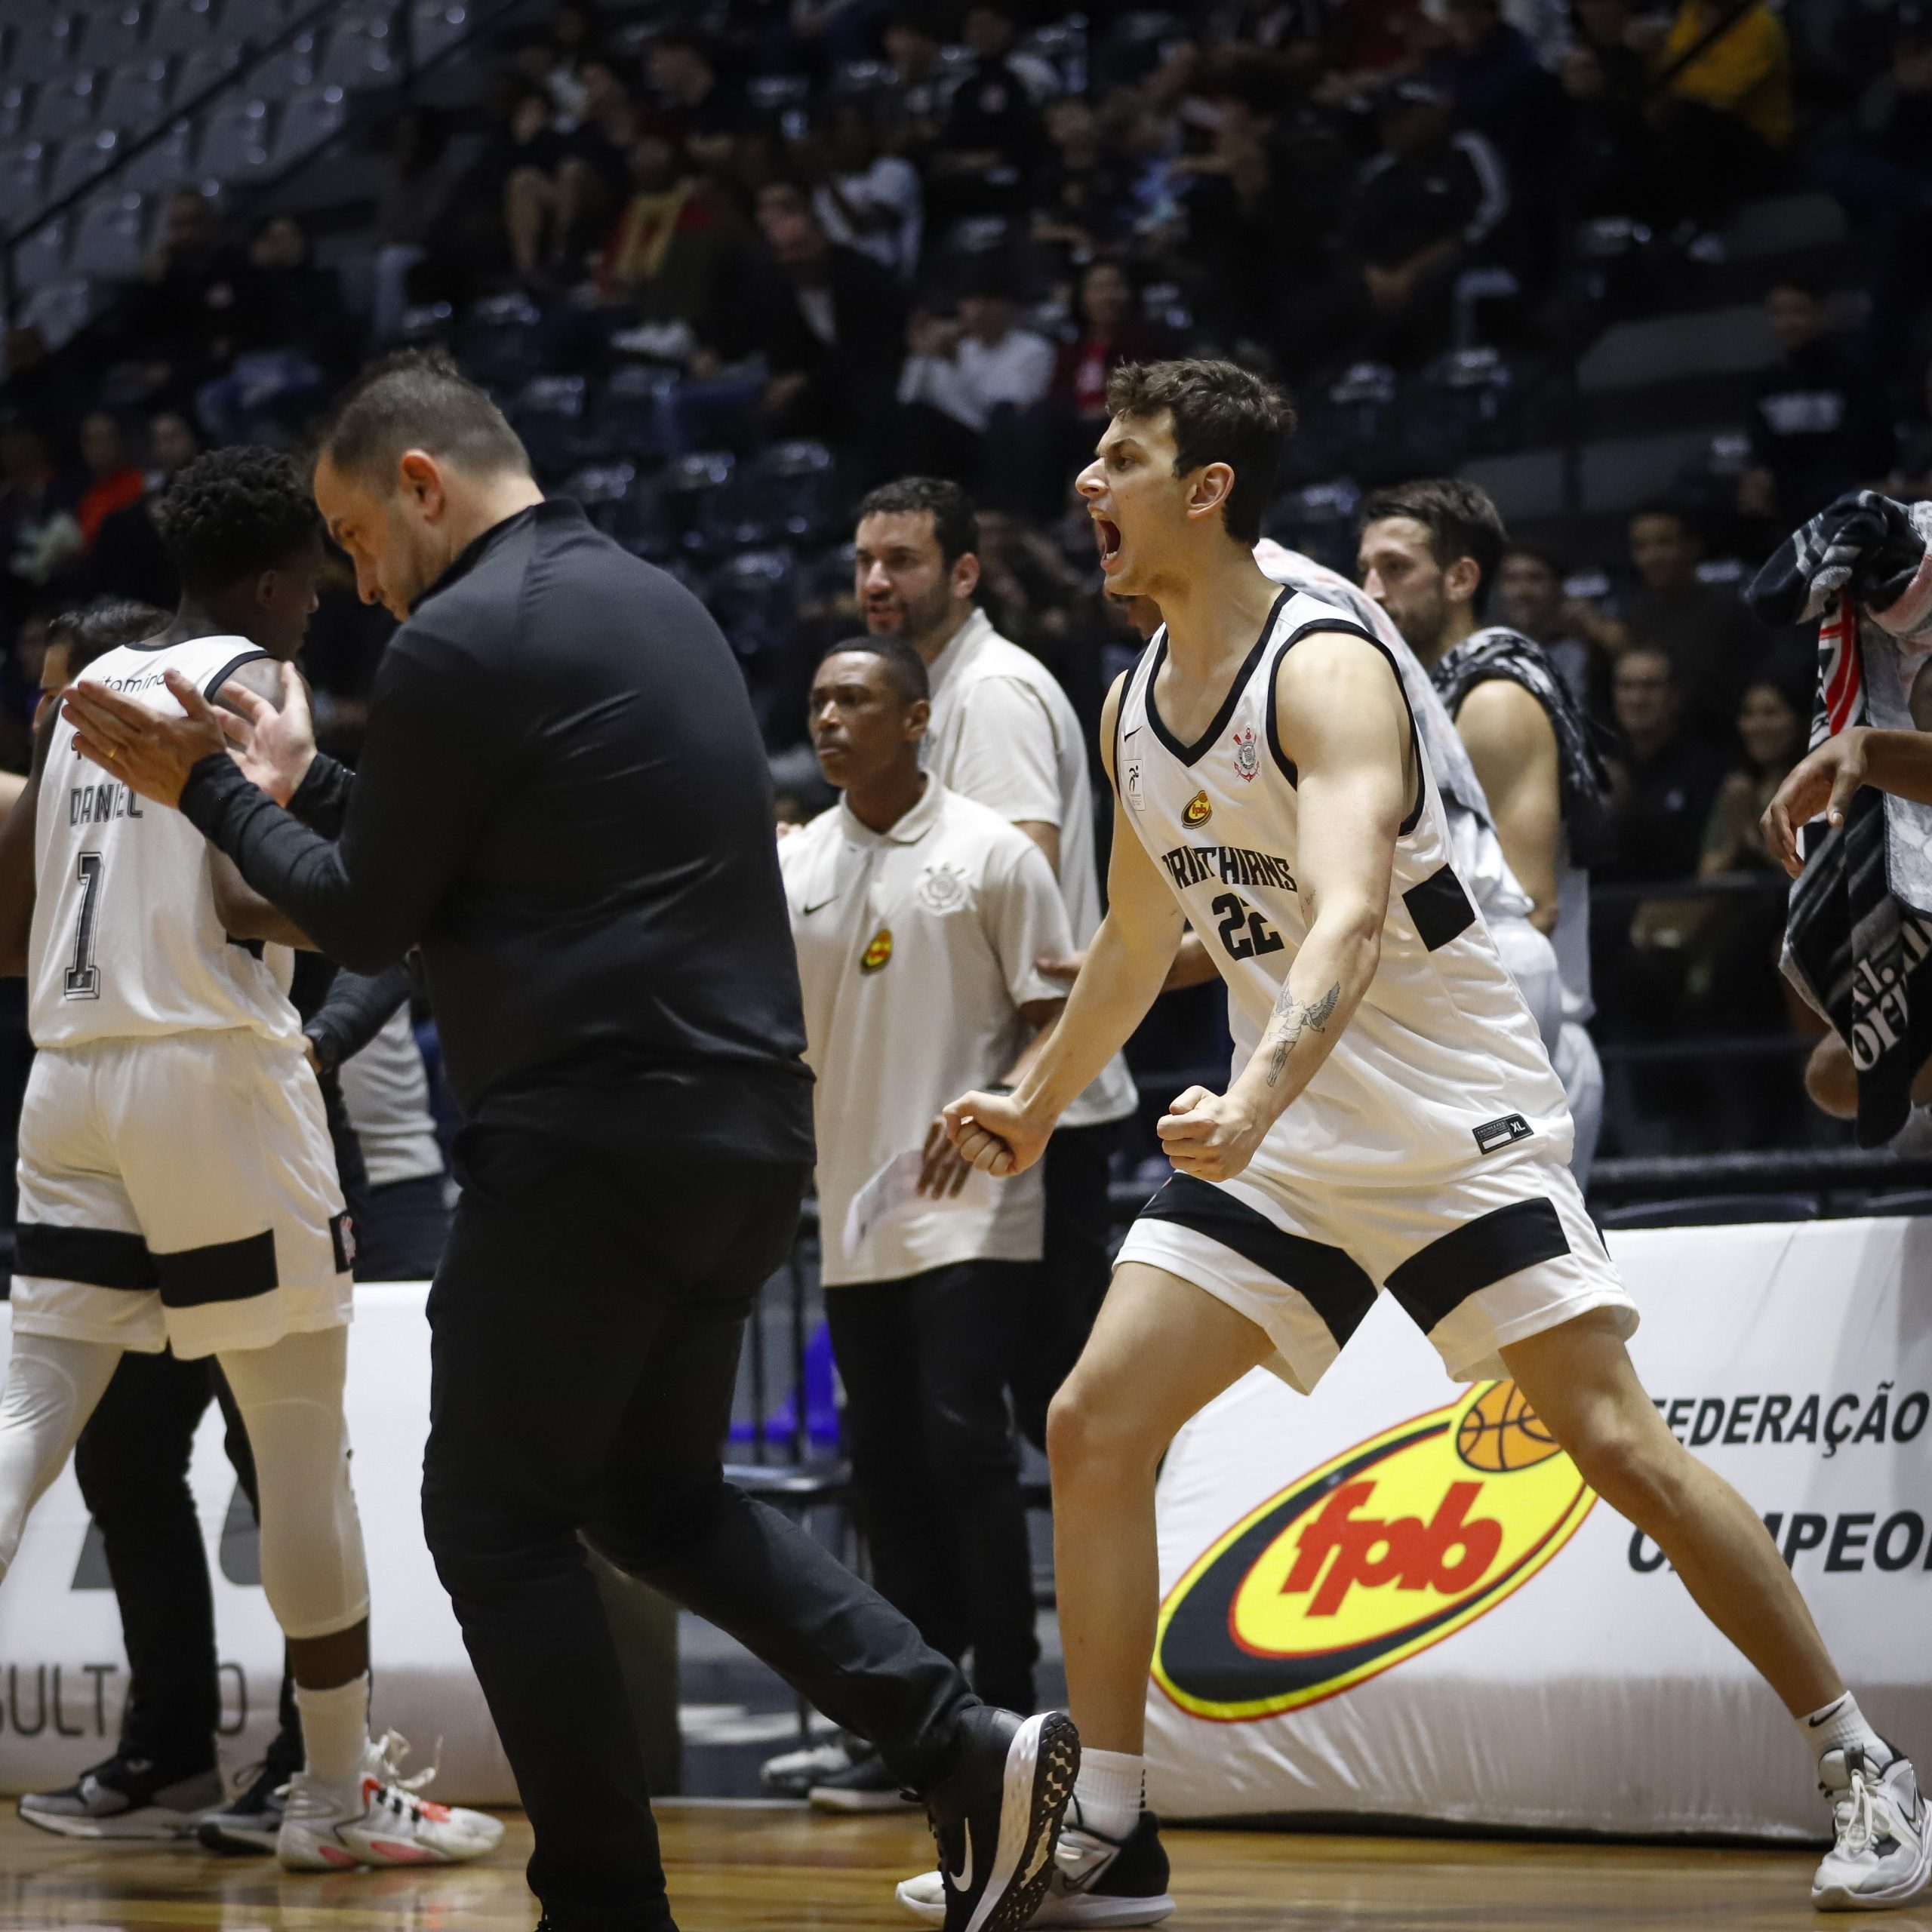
<point>1503,1252</point>
<point>179,1190</point>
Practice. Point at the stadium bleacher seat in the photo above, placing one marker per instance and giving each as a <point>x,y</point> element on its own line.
<point>42,257</point>
<point>235,140</point>
<point>751,594</point>
<point>81,159</point>
<point>25,175</point>
<point>182,26</point>
<point>436,25</point>
<point>63,106</point>
<point>787,493</point>
<point>135,94</point>
<point>202,69</point>
<point>43,44</point>
<point>360,53</point>
<point>108,236</point>
<point>628,418</point>
<point>310,117</point>
<point>497,340</point>
<point>282,73</point>
<point>548,412</point>
<point>695,491</point>
<point>14,100</point>
<point>114,38</point>
<point>164,165</point>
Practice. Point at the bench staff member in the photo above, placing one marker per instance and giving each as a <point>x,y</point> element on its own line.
<point>918,917</point>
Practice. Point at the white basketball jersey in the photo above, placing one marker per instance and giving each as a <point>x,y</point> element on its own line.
<point>126,942</point>
<point>1441,1065</point>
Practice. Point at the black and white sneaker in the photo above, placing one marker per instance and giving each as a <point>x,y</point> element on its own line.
<point>252,1821</point>
<point>126,1797</point>
<point>1096,1881</point>
<point>864,1784</point>
<point>793,1774</point>
<point>996,1818</point>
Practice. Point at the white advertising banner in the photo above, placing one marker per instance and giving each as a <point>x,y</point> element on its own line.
<point>1397,1597</point>
<point>63,1673</point>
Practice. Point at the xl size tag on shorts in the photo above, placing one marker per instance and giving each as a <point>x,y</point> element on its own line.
<point>1494,1133</point>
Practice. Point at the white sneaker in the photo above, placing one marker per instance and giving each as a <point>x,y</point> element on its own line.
<point>792,1774</point>
<point>1097,1882</point>
<point>1883,1857</point>
<point>379,1820</point>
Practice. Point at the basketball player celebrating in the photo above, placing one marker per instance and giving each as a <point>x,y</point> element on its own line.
<point>1392,1122</point>
<point>177,1184</point>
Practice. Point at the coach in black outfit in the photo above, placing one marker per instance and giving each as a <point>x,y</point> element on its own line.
<point>563,802</point>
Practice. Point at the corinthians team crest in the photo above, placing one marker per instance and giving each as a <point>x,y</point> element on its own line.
<point>1383,1551</point>
<point>940,889</point>
<point>1248,754</point>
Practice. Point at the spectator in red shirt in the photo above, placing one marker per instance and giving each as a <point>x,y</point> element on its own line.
<point>113,482</point>
<point>1110,333</point>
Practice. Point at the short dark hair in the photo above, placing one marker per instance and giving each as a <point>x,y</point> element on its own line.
<point>955,522</point>
<point>1221,412</point>
<point>1662,507</point>
<point>105,624</point>
<point>233,513</point>
<point>418,399</point>
<point>1460,517</point>
<point>1536,554</point>
<point>903,665</point>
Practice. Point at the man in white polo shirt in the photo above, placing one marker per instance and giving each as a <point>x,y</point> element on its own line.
<point>1003,733</point>
<point>918,917</point>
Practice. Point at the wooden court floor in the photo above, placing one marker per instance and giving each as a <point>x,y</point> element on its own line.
<point>758,1869</point>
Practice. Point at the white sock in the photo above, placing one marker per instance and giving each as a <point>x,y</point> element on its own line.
<point>1110,1791</point>
<point>335,1730</point>
<point>1841,1723</point>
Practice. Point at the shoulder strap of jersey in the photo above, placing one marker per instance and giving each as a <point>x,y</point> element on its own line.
<point>1131,693</point>
<point>1334,618</point>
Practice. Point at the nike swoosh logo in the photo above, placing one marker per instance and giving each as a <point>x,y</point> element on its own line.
<point>805,913</point>
<point>962,1880</point>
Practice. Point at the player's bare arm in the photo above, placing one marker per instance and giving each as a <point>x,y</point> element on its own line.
<point>252,698</point>
<point>1822,785</point>
<point>1512,745</point>
<point>1345,729</point>
<point>17,878</point>
<point>1004,1134</point>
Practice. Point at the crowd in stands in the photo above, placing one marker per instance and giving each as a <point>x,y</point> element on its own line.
<point>726,279</point>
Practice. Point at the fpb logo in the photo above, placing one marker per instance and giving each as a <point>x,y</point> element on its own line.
<point>1383,1550</point>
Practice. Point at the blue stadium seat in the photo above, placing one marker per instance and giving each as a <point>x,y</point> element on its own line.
<point>197,71</point>
<point>787,493</point>
<point>26,175</point>
<point>64,106</point>
<point>498,341</point>
<point>44,43</point>
<point>695,487</point>
<point>753,595</point>
<point>622,503</point>
<point>437,24</point>
<point>235,140</point>
<point>108,236</point>
<point>628,420</point>
<point>282,74</point>
<point>42,257</point>
<point>81,159</point>
<point>309,117</point>
<point>1319,519</point>
<point>114,38</point>
<point>134,95</point>
<point>165,165</point>
<point>548,414</point>
<point>181,26</point>
<point>361,53</point>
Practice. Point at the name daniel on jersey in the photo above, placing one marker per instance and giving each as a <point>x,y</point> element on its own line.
<point>1232,865</point>
<point>94,805</point>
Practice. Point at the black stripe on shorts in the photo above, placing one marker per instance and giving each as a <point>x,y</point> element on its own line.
<point>224,1271</point>
<point>1437,1280</point>
<point>1329,1279</point>
<point>101,1257</point>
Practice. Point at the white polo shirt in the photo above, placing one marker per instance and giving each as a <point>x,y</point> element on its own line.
<point>1003,733</point>
<point>916,950</point>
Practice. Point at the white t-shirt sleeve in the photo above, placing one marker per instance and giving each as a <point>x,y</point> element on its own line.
<point>1026,921</point>
<point>1007,759</point>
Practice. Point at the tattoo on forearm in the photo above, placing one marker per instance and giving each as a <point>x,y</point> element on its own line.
<point>1293,1016</point>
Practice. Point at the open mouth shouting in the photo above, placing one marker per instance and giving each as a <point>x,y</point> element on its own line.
<point>1107,535</point>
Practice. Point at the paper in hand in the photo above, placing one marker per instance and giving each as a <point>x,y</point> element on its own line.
<point>893,1194</point>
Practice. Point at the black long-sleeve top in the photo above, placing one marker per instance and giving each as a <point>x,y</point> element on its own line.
<point>563,802</point>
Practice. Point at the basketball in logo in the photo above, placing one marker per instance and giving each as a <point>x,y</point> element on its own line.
<point>1199,809</point>
<point>1500,1432</point>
